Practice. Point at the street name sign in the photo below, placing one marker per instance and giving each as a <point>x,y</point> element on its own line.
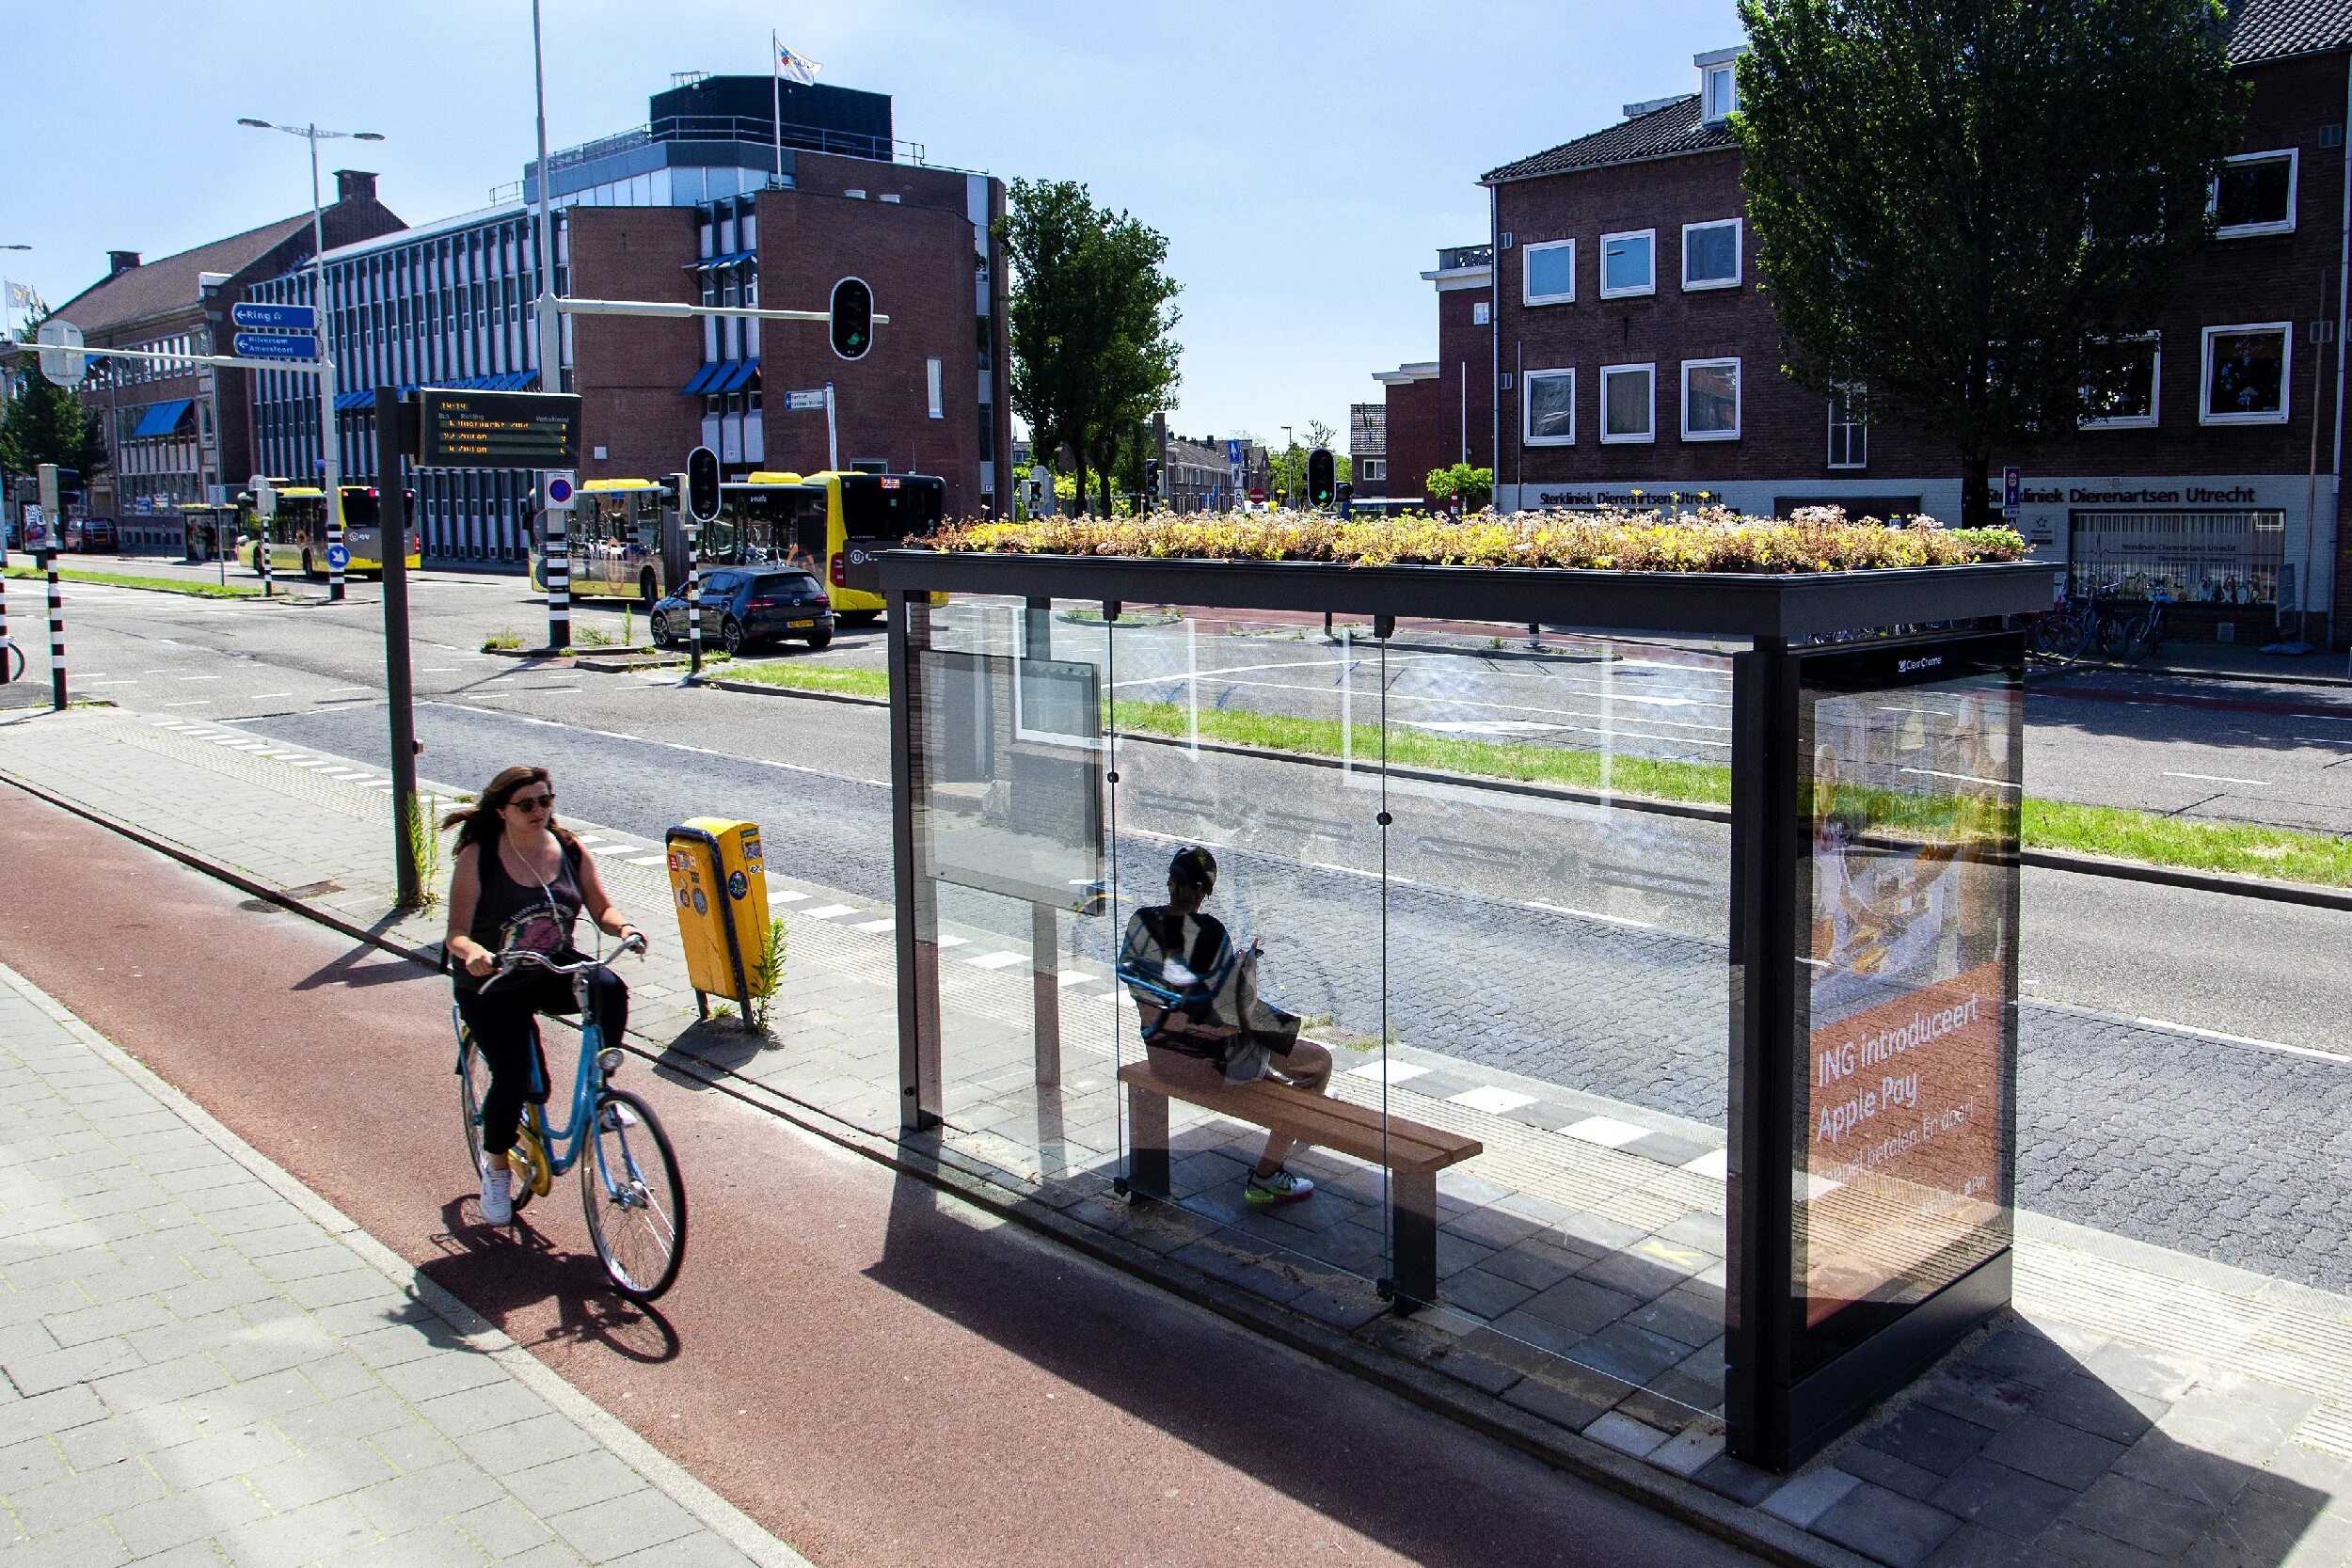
<point>497,430</point>
<point>283,318</point>
<point>266,345</point>
<point>805,400</point>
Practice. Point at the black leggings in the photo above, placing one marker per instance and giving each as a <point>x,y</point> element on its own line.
<point>504,1023</point>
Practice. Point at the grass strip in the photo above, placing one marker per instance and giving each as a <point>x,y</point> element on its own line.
<point>156,585</point>
<point>2118,832</point>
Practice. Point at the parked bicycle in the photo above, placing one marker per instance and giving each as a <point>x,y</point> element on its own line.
<point>2130,631</point>
<point>2060,634</point>
<point>632,1191</point>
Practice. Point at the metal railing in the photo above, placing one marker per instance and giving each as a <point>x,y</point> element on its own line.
<point>737,128</point>
<point>1455,256</point>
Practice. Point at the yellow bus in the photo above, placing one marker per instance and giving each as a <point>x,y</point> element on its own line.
<point>621,535</point>
<point>296,536</point>
<point>830,523</point>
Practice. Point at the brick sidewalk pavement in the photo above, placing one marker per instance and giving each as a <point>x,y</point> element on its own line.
<point>206,1362</point>
<point>2143,1406</point>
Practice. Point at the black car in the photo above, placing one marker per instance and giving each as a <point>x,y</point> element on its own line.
<point>748,606</point>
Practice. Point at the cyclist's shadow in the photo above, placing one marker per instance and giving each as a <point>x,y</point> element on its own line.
<point>503,1271</point>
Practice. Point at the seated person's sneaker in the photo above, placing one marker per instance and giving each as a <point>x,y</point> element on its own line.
<point>1282,1187</point>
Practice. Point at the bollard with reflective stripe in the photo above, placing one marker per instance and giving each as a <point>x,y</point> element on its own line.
<point>693,616</point>
<point>56,635</point>
<point>262,554</point>
<point>335,552</point>
<point>559,575</point>
<point>5,675</point>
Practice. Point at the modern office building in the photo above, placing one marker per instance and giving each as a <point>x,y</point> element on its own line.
<point>705,202</point>
<point>181,434</point>
<point>1635,358</point>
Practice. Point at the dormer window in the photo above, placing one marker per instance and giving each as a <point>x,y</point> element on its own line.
<point>1718,85</point>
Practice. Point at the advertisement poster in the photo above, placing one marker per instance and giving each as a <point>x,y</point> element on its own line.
<point>1912,815</point>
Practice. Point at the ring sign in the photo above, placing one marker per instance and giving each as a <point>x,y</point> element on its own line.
<point>338,556</point>
<point>559,489</point>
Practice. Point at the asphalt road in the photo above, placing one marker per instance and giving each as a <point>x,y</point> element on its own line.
<point>2125,1124</point>
<point>878,1373</point>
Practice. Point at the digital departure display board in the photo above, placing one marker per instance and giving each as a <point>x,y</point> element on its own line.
<point>497,430</point>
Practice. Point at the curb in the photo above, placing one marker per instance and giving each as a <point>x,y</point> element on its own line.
<point>1673,1496</point>
<point>2202,881</point>
<point>665,1475</point>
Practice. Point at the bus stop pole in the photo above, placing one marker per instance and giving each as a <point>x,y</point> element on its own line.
<point>391,443</point>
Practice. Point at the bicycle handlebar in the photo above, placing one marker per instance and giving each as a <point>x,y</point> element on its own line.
<point>507,961</point>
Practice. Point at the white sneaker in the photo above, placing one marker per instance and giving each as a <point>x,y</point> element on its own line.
<point>498,1191</point>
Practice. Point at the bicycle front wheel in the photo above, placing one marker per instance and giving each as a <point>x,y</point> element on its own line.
<point>634,1197</point>
<point>473,1087</point>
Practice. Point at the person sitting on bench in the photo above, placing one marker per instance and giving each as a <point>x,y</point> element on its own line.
<point>1203,1023</point>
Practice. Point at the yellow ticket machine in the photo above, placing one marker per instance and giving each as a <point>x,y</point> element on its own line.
<point>718,882</point>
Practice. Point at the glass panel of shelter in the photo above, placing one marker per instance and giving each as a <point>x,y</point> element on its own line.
<point>1558,911</point>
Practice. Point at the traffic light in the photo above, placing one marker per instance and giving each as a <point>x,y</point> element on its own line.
<point>852,318</point>
<point>1348,500</point>
<point>1322,477</point>
<point>702,485</point>
<point>1152,477</point>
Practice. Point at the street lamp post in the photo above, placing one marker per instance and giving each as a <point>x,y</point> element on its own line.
<point>558,570</point>
<point>329,448</point>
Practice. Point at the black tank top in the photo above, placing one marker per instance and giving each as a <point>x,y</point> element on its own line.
<point>524,915</point>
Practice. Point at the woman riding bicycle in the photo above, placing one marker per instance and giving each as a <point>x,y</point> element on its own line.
<point>520,883</point>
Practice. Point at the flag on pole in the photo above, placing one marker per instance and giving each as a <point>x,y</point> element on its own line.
<point>797,67</point>
<point>21,296</point>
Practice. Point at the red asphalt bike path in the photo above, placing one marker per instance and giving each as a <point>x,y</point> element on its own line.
<point>878,1373</point>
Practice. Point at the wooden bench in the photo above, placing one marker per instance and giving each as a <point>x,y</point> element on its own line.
<point>1414,1152</point>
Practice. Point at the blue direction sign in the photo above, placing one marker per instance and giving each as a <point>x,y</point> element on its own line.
<point>285,318</point>
<point>260,345</point>
<point>338,556</point>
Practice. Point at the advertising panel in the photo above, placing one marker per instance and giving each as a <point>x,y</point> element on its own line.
<point>1909,789</point>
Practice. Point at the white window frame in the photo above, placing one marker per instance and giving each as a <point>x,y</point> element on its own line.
<point>1711,111</point>
<point>1837,399</point>
<point>2286,376</point>
<point>1739,255</point>
<point>1648,438</point>
<point>931,369</point>
<point>1527,408</point>
<point>1481,315</point>
<point>1527,273</point>
<point>1649,288</point>
<point>2155,389</point>
<point>1738,399</point>
<point>2248,230</point>
<point>1376,468</point>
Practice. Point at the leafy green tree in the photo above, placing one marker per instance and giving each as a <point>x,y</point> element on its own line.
<point>1468,488</point>
<point>1092,317</point>
<point>1959,203</point>
<point>42,422</point>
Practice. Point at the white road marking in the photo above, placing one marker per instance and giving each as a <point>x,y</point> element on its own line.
<point>955,942</point>
<point>199,677</point>
<point>672,745</point>
<point>194,701</point>
<point>785,896</point>
<point>1594,915</point>
<point>1394,1072</point>
<point>265,696</point>
<point>2220,778</point>
<point>995,960</point>
<point>650,860</point>
<point>1074,977</point>
<point>829,912</point>
<point>339,691</point>
<point>2192,1032</point>
<point>873,925</point>
<point>1716,1163</point>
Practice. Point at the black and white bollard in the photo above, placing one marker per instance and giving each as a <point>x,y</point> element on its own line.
<point>57,634</point>
<point>693,616</point>
<point>262,554</point>
<point>558,570</point>
<point>5,673</point>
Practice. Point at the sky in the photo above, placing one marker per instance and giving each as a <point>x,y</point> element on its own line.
<point>1305,158</point>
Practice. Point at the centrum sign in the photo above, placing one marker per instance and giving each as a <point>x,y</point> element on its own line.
<point>497,430</point>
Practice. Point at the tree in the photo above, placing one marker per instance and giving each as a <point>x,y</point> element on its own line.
<point>1091,317</point>
<point>44,422</point>
<point>1959,205</point>
<point>1470,488</point>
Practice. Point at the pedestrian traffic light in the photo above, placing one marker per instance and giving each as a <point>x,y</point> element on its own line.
<point>702,485</point>
<point>852,318</point>
<point>1322,477</point>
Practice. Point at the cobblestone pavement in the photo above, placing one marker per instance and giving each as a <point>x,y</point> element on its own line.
<point>2145,1405</point>
<point>206,1363</point>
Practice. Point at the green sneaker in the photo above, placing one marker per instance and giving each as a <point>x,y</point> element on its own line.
<point>1282,1187</point>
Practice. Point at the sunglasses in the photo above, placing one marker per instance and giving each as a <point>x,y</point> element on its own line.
<point>532,802</point>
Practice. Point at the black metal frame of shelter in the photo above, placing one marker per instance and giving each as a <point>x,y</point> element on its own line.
<point>1779,1409</point>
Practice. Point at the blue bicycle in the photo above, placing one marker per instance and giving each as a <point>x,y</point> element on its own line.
<point>632,1191</point>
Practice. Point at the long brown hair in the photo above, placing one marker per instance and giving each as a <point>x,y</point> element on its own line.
<point>483,822</point>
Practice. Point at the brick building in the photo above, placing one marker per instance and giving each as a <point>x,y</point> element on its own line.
<point>183,434</point>
<point>698,205</point>
<point>1441,411</point>
<point>1636,358</point>
<point>1368,451</point>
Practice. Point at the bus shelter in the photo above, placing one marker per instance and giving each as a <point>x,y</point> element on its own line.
<point>1675,941</point>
